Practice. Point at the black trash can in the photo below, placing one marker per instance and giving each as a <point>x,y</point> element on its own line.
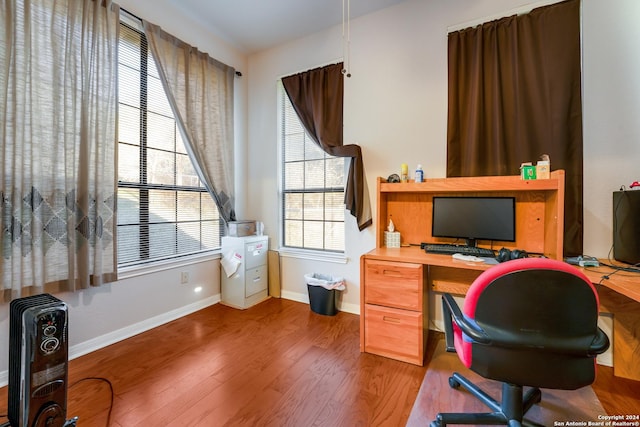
<point>323,293</point>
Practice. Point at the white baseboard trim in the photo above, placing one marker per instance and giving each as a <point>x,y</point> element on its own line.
<point>129,331</point>
<point>350,308</point>
<point>295,296</point>
<point>137,328</point>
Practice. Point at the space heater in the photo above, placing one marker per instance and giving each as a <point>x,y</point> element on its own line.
<point>38,362</point>
<point>626,226</point>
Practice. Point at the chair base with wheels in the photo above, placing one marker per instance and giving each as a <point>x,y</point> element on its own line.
<point>515,404</point>
<point>527,323</point>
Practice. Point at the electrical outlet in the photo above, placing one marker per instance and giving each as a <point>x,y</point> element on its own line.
<point>184,277</point>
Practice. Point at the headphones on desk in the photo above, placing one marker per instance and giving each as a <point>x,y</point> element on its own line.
<point>506,254</point>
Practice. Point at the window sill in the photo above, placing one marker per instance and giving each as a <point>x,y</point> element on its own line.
<point>154,267</point>
<point>338,258</point>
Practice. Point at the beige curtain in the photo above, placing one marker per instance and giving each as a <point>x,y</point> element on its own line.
<point>58,105</point>
<point>200,91</point>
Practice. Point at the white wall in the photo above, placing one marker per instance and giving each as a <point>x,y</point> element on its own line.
<point>396,109</point>
<point>611,112</point>
<point>100,316</point>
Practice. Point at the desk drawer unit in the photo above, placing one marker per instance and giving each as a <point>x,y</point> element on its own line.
<point>394,284</point>
<point>394,333</point>
<point>394,310</point>
<point>255,281</point>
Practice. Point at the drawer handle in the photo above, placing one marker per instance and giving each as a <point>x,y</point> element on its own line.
<point>391,319</point>
<point>393,273</point>
<point>256,279</point>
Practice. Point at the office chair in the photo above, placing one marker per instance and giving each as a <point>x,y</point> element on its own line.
<point>528,322</point>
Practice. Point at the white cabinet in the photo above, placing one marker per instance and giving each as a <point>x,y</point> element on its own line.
<point>249,284</point>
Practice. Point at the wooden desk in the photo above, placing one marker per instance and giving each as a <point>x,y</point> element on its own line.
<point>622,282</point>
<point>619,295</point>
<point>539,206</point>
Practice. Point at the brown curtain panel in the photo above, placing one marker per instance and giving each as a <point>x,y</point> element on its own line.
<point>515,94</point>
<point>317,98</point>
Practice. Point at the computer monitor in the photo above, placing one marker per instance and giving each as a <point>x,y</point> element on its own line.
<point>474,218</point>
<point>626,226</point>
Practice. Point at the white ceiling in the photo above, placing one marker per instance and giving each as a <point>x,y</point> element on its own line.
<point>254,25</point>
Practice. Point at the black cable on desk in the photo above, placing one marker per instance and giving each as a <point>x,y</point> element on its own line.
<point>618,268</point>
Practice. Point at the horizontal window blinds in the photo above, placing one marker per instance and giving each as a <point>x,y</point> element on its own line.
<point>164,211</point>
<point>313,188</point>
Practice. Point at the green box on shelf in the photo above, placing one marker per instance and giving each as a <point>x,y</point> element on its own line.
<point>528,172</point>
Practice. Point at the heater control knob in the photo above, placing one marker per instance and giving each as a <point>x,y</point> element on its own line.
<point>49,345</point>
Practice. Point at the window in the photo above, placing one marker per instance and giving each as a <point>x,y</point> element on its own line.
<point>164,211</point>
<point>312,188</point>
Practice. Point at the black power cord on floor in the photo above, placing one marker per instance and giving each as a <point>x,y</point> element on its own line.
<point>8,424</point>
<point>110,389</point>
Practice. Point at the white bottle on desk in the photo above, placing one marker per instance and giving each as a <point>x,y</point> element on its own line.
<point>419,177</point>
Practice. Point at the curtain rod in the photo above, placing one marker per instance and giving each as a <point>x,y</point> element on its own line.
<point>334,62</point>
<point>521,10</point>
<point>131,15</point>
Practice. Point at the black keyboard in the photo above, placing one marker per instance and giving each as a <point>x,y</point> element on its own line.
<point>449,249</point>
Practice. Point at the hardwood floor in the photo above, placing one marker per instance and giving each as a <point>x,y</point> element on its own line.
<point>276,364</point>
<point>618,396</point>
